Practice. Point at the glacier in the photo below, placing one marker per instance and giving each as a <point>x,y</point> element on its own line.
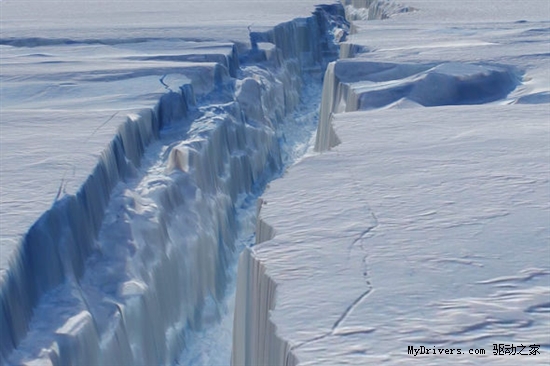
<point>421,217</point>
<point>120,267</point>
<point>137,136</point>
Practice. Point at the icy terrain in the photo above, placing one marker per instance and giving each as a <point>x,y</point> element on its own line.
<point>135,147</point>
<point>136,136</point>
<point>423,217</point>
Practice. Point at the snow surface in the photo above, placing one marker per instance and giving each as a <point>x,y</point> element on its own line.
<point>430,229</point>
<point>425,221</point>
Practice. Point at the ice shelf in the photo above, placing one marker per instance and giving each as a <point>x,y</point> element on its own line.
<point>116,272</point>
<point>422,220</point>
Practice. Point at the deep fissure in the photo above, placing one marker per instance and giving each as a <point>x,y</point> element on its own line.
<point>120,264</point>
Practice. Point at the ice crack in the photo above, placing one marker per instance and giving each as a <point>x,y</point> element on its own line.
<point>335,329</point>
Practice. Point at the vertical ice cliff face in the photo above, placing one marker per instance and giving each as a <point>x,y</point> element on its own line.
<point>255,341</point>
<point>330,103</point>
<point>118,272</point>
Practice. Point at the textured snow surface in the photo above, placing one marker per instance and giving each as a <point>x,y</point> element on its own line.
<point>430,229</point>
<point>425,219</point>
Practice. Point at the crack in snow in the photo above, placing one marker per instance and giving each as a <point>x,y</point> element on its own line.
<point>363,235</point>
<point>350,308</point>
<point>335,328</point>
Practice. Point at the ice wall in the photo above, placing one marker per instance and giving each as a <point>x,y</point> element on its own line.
<point>255,340</point>
<point>116,273</point>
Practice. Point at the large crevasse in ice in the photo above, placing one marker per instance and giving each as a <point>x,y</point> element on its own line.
<point>123,267</point>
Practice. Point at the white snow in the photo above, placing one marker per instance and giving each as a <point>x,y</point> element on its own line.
<point>425,219</point>
<point>429,229</point>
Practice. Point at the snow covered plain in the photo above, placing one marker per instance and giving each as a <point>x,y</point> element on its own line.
<point>425,219</point>
<point>135,138</point>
